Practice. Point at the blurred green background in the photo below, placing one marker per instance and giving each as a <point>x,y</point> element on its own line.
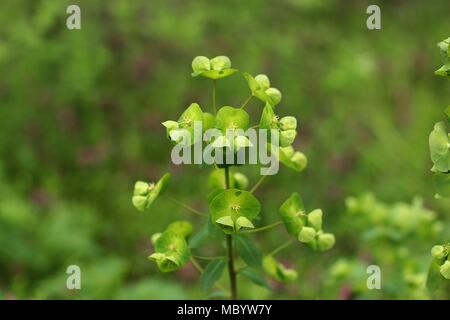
<point>80,122</point>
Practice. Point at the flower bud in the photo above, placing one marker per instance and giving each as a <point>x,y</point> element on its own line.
<point>274,95</point>
<point>299,160</point>
<point>139,202</point>
<point>287,137</point>
<point>141,188</point>
<point>307,234</point>
<point>288,123</point>
<point>315,219</point>
<point>438,252</point>
<point>200,64</point>
<point>220,63</point>
<point>445,270</point>
<point>240,181</point>
<point>326,241</point>
<point>263,81</point>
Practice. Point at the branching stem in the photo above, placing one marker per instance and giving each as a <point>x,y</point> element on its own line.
<point>281,247</point>
<point>231,270</point>
<point>246,101</point>
<point>269,226</point>
<point>187,207</point>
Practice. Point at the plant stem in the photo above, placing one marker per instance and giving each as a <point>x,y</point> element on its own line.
<point>196,265</point>
<point>246,101</point>
<point>263,228</point>
<point>214,96</point>
<point>231,270</point>
<point>188,208</point>
<point>209,258</point>
<point>283,246</point>
<point>257,184</point>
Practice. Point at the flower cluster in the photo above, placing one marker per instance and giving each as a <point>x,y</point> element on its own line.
<point>441,255</point>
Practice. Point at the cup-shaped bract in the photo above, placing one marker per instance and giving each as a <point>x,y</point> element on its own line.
<point>259,89</point>
<point>292,159</point>
<point>183,228</point>
<point>232,118</point>
<point>315,219</point>
<point>227,206</point>
<point>215,68</point>
<point>292,213</point>
<point>171,251</point>
<point>146,193</point>
<point>439,252</point>
<point>278,271</point>
<point>306,234</point>
<point>441,182</point>
<point>288,123</point>
<point>287,138</point>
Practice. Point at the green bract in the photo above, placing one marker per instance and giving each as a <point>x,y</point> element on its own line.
<point>215,68</point>
<point>276,270</point>
<point>286,126</point>
<point>307,228</point>
<point>441,182</point>
<point>171,251</point>
<point>260,88</point>
<point>182,131</point>
<point>292,159</point>
<point>444,47</point>
<point>145,193</point>
<point>292,213</point>
<point>232,118</point>
<point>234,209</point>
<point>440,147</point>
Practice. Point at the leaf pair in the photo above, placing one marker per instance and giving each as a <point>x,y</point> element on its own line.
<point>215,68</point>
<point>145,193</point>
<point>307,228</point>
<point>233,210</point>
<point>260,88</point>
<point>171,249</point>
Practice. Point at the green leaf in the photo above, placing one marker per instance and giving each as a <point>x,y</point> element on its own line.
<point>439,147</point>
<point>212,273</point>
<point>232,118</point>
<point>234,203</point>
<point>292,213</point>
<point>199,238</point>
<point>441,182</point>
<point>248,251</point>
<point>255,276</point>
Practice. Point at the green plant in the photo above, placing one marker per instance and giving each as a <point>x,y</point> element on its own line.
<point>440,155</point>
<point>233,209</point>
<point>440,138</point>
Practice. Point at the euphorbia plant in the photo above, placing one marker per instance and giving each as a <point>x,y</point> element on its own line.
<point>233,209</point>
<point>440,155</point>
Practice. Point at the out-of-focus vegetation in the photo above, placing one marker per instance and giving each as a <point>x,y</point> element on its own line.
<point>81,116</point>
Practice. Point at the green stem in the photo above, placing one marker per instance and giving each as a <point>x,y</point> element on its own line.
<point>257,184</point>
<point>263,228</point>
<point>283,246</point>
<point>209,258</point>
<point>214,97</point>
<point>188,208</point>
<point>246,101</point>
<point>197,265</point>
<point>231,270</point>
